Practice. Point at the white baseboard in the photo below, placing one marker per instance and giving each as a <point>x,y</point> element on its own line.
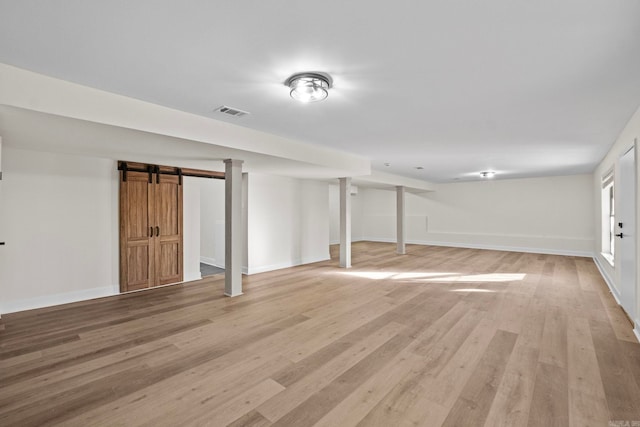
<point>265,268</point>
<point>207,260</point>
<point>337,242</point>
<point>545,251</point>
<point>607,279</point>
<point>614,292</point>
<point>57,299</point>
<point>211,261</point>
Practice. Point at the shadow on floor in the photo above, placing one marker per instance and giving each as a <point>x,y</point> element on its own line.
<point>210,270</point>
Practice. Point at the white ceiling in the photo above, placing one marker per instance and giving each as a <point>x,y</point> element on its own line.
<point>527,88</point>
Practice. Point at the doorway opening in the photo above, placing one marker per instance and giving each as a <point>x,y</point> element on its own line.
<point>212,243</point>
<point>169,225</point>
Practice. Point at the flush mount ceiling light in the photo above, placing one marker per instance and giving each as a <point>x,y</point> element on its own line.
<point>309,87</point>
<point>487,174</point>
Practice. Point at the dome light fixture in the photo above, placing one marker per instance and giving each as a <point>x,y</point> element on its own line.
<point>309,87</point>
<point>487,174</point>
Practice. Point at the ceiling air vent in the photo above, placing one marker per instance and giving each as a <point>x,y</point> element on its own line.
<point>231,111</point>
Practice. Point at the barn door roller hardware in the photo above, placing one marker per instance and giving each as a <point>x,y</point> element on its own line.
<point>123,168</point>
<point>158,170</point>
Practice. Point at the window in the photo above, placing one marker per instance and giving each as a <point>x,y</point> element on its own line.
<point>608,218</point>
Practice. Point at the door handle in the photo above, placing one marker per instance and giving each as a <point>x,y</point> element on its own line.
<point>621,235</point>
<point>150,231</point>
<point>157,231</point>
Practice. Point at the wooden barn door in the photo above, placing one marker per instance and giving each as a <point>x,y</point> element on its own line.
<point>150,230</point>
<point>136,231</point>
<point>168,233</point>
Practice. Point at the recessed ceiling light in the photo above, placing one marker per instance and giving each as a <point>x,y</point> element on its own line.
<point>387,164</point>
<point>487,174</point>
<point>309,87</point>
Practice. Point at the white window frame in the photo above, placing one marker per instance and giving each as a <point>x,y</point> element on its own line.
<point>608,218</point>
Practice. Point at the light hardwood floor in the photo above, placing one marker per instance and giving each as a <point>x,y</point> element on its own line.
<point>438,337</point>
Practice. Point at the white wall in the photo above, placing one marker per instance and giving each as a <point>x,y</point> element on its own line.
<point>548,215</point>
<point>212,222</point>
<point>60,221</point>
<point>622,144</point>
<point>334,215</point>
<point>288,222</point>
<point>60,215</point>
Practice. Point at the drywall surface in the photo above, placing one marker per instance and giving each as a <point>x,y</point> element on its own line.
<point>60,216</point>
<point>288,222</point>
<point>547,215</point>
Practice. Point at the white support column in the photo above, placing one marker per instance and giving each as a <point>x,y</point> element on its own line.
<point>245,223</point>
<point>345,222</point>
<point>233,228</point>
<point>400,220</point>
<point>1,213</point>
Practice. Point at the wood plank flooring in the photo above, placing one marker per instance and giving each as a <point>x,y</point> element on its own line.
<point>437,337</point>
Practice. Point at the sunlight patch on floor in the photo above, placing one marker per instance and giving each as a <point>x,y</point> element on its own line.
<point>493,277</point>
<point>379,275</point>
<point>374,275</point>
<point>435,277</point>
